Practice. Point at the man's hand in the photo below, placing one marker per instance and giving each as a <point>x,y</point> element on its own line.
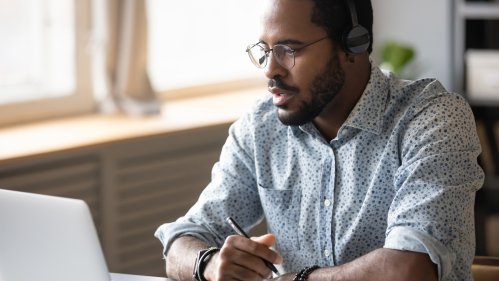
<point>241,258</point>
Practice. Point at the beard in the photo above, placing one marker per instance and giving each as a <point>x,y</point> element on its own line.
<point>325,86</point>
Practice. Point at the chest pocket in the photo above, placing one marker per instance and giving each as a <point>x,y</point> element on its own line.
<point>282,211</point>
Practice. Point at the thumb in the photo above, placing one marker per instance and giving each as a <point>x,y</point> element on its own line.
<point>267,239</point>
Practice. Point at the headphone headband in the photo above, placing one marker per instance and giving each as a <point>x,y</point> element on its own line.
<point>353,12</point>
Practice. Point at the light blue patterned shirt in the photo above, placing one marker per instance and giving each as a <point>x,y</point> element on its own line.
<point>401,174</point>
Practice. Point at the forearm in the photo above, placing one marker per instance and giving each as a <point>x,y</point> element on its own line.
<point>182,256</point>
<point>239,258</point>
<point>382,265</point>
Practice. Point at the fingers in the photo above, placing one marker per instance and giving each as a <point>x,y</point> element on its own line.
<point>244,259</point>
<point>241,259</point>
<point>254,248</point>
<point>267,239</point>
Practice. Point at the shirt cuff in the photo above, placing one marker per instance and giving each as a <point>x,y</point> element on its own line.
<point>408,239</point>
<point>168,232</point>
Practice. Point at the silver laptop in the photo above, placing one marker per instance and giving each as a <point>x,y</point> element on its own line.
<point>48,238</point>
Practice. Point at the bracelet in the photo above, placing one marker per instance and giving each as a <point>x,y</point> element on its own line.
<point>202,260</point>
<point>304,273</point>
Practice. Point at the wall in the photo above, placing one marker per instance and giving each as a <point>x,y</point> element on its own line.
<point>425,24</point>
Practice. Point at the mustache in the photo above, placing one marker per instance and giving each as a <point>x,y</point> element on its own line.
<point>277,83</point>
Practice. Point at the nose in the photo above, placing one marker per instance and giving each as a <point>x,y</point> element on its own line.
<point>273,68</point>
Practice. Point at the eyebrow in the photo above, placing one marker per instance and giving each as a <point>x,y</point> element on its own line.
<point>284,42</point>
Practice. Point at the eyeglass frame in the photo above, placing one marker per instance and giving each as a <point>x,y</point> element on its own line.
<point>267,52</point>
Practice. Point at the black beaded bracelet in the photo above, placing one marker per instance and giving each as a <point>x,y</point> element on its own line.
<point>304,273</point>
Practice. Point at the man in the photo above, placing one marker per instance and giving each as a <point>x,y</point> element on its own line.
<point>365,175</point>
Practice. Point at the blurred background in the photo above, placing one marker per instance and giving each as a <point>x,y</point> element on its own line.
<point>127,103</point>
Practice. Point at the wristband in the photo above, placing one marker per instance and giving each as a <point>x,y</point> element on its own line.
<point>202,260</point>
<point>304,273</point>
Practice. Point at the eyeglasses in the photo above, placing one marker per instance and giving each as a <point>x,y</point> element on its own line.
<point>284,55</point>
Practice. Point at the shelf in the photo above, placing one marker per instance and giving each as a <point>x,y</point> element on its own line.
<point>470,10</point>
<point>463,11</point>
<point>27,140</point>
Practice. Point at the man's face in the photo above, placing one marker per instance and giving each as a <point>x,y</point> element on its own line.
<point>300,93</point>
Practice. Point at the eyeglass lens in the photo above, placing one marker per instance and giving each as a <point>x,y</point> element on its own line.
<point>283,54</point>
<point>257,55</point>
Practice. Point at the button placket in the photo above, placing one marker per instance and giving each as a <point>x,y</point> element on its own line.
<point>328,203</point>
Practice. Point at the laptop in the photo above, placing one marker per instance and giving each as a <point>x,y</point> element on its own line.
<point>47,238</point>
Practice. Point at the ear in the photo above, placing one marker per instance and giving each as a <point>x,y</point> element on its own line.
<point>342,55</point>
<point>346,59</point>
<point>350,58</point>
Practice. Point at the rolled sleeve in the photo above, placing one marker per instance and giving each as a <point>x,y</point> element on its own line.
<point>168,232</point>
<point>408,239</point>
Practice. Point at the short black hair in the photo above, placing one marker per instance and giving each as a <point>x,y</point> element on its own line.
<point>334,17</point>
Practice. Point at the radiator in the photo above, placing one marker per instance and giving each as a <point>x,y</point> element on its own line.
<point>131,186</point>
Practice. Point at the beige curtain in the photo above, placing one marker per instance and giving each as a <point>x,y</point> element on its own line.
<point>129,87</point>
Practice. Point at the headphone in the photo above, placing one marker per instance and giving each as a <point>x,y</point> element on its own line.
<point>356,38</point>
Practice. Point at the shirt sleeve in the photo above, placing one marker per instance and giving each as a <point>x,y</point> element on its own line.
<point>232,192</point>
<point>432,211</point>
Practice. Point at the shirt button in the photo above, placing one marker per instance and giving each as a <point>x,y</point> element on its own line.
<point>327,253</point>
<point>327,203</point>
<point>331,152</point>
<point>345,131</point>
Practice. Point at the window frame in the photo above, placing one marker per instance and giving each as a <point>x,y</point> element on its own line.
<point>213,88</point>
<point>80,101</point>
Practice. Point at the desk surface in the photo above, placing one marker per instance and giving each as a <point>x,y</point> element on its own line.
<point>128,277</point>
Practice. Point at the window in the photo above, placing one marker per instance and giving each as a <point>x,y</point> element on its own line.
<point>43,70</point>
<point>46,61</point>
<point>199,42</point>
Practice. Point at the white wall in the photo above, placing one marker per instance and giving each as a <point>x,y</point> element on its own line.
<point>424,24</point>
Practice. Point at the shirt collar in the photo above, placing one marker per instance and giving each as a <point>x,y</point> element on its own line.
<point>368,112</point>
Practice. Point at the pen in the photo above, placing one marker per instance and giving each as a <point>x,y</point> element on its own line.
<point>241,232</point>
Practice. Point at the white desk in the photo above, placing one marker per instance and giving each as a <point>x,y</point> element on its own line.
<point>128,277</point>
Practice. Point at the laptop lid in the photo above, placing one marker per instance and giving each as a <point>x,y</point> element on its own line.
<point>47,238</point>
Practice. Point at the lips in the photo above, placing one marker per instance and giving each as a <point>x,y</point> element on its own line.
<point>281,97</point>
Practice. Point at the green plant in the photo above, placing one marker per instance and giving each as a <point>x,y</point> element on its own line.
<point>395,56</point>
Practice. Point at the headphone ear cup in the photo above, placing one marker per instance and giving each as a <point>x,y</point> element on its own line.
<point>356,40</point>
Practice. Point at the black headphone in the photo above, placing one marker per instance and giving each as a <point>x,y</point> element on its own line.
<point>356,38</point>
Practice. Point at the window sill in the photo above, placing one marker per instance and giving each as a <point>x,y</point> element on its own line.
<point>29,140</point>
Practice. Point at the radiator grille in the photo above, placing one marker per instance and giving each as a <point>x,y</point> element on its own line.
<point>77,178</point>
<point>159,186</point>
